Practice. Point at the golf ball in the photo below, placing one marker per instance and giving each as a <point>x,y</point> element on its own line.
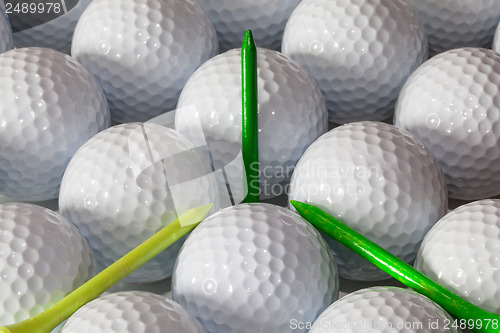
<point>142,52</point>
<point>42,258</point>
<point>254,268</point>
<point>451,24</point>
<point>462,253</point>
<point>6,41</point>
<point>360,52</point>
<point>134,312</point>
<point>266,19</point>
<point>128,182</point>
<point>384,309</point>
<point>291,111</point>
<point>45,24</point>
<point>379,180</point>
<point>49,106</point>
<point>451,103</point>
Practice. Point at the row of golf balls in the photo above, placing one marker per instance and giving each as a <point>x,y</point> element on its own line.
<point>280,81</point>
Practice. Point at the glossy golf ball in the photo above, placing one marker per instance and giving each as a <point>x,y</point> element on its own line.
<point>45,24</point>
<point>291,115</point>
<point>6,40</point>
<point>462,253</point>
<point>384,309</point>
<point>142,52</point>
<point>254,268</point>
<point>42,258</point>
<point>127,183</point>
<point>379,180</point>
<point>451,103</point>
<point>133,312</point>
<point>451,24</point>
<point>49,106</point>
<point>266,19</point>
<point>360,52</point>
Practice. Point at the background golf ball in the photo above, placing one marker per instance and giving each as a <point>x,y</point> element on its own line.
<point>142,52</point>
<point>42,258</point>
<point>127,183</point>
<point>266,19</point>
<point>292,114</point>
<point>360,52</point>
<point>253,268</point>
<point>462,253</point>
<point>451,103</point>
<point>380,181</point>
<point>45,24</point>
<point>384,309</point>
<point>6,41</point>
<point>49,106</point>
<point>132,311</point>
<point>451,24</point>
<point>496,40</point>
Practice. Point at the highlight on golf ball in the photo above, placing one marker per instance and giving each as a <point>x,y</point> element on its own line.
<point>124,115</point>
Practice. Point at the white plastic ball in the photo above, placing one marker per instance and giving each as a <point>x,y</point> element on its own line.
<point>45,24</point>
<point>266,19</point>
<point>291,115</point>
<point>384,309</point>
<point>496,40</point>
<point>379,180</point>
<point>49,106</point>
<point>254,268</point>
<point>360,52</point>
<point>451,24</point>
<point>128,182</point>
<point>452,104</point>
<point>6,40</point>
<point>132,312</point>
<point>43,257</point>
<point>142,52</point>
<point>462,253</point>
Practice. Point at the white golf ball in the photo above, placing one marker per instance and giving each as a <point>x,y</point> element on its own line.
<point>462,253</point>
<point>360,52</point>
<point>49,106</point>
<point>128,182</point>
<point>384,309</point>
<point>292,114</point>
<point>266,19</point>
<point>380,181</point>
<point>42,258</point>
<point>6,41</point>
<point>47,24</point>
<point>451,24</point>
<point>254,268</point>
<point>142,52</point>
<point>133,312</point>
<point>451,103</point>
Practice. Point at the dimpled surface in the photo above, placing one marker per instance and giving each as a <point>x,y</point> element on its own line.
<point>128,182</point>
<point>292,114</point>
<point>143,51</point>
<point>379,180</point>
<point>132,312</point>
<point>253,268</point>
<point>6,41</point>
<point>49,106</point>
<point>452,24</point>
<point>452,104</point>
<point>384,310</point>
<point>462,253</point>
<point>359,51</point>
<point>266,19</point>
<point>42,258</point>
<point>56,34</point>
